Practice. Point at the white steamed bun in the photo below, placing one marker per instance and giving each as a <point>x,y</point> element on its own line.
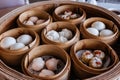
<point>17,46</point>
<point>98,25</point>
<point>93,31</point>
<point>7,42</point>
<point>25,39</point>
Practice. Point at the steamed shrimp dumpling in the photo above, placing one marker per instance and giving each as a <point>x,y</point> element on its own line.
<point>52,63</point>
<point>37,64</point>
<point>46,72</point>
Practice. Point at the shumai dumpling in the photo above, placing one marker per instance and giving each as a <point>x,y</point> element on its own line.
<point>98,53</point>
<point>86,56</point>
<point>95,62</point>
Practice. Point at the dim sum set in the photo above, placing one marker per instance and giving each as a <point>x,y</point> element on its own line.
<point>69,15</point>
<point>50,60</point>
<point>15,44</point>
<point>91,58</point>
<point>98,29</point>
<point>62,36</point>
<point>33,20</point>
<point>44,67</point>
<point>101,29</point>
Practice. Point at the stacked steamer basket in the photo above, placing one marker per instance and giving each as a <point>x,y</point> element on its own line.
<point>63,27</point>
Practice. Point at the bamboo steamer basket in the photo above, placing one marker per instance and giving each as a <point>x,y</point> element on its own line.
<point>8,20</point>
<point>82,70</point>
<point>35,12</point>
<point>48,50</point>
<point>59,26</point>
<point>59,10</point>
<point>13,57</point>
<point>109,25</point>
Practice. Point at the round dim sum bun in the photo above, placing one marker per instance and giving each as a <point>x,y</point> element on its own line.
<point>63,39</point>
<point>7,42</point>
<point>25,39</point>
<point>106,32</point>
<point>66,33</point>
<point>98,25</point>
<point>46,72</point>
<point>17,46</point>
<point>37,64</point>
<point>93,31</point>
<point>53,34</point>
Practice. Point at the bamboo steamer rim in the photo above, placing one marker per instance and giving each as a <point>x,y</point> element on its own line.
<point>25,49</point>
<point>76,31</point>
<point>66,67</point>
<point>116,31</point>
<point>87,68</point>
<point>56,15</point>
<point>37,13</point>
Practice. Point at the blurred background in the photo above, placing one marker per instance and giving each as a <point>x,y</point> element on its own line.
<point>108,4</point>
<point>106,1</point>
